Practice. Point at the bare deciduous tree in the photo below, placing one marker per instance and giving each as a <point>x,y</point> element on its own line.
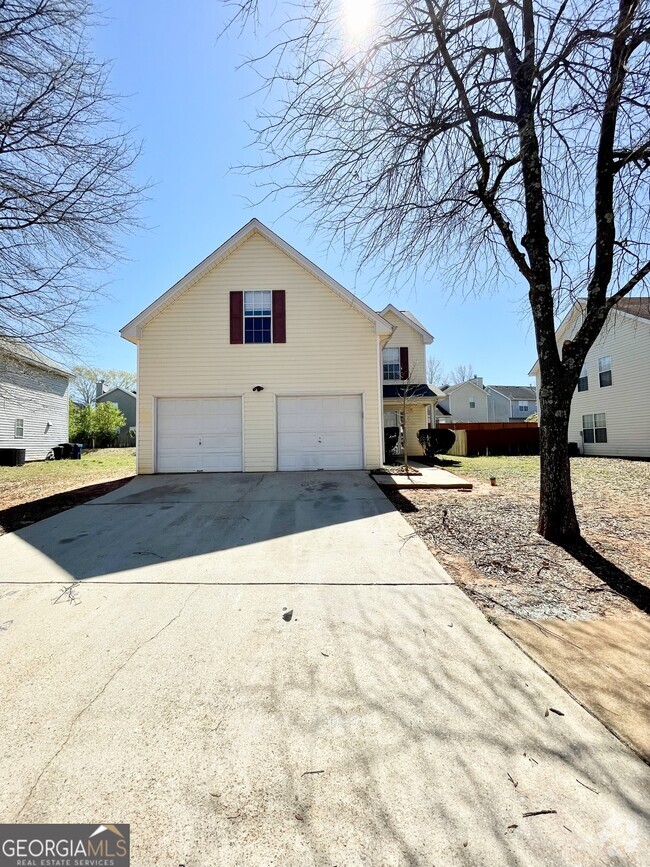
<point>435,370</point>
<point>488,134</point>
<point>460,373</point>
<point>65,169</point>
<point>84,384</point>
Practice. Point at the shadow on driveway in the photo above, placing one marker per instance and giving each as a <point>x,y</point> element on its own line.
<point>320,527</point>
<point>24,514</point>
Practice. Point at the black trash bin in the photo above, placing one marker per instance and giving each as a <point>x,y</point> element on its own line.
<point>77,448</point>
<point>58,452</point>
<point>66,450</point>
<point>12,457</point>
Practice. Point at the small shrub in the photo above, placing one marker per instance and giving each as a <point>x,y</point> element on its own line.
<point>436,440</point>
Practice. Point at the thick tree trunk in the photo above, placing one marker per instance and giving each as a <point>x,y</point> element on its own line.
<point>557,515</point>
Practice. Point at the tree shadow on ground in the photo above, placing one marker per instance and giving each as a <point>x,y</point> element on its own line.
<point>21,516</point>
<point>611,574</point>
<point>437,461</point>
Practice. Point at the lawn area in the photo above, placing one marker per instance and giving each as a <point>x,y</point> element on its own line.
<point>625,481</point>
<point>41,488</point>
<point>563,610</point>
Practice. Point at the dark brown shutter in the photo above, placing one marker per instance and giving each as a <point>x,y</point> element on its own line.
<point>404,362</point>
<point>236,317</point>
<point>279,316</point>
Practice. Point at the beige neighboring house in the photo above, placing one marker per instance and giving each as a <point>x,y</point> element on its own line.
<point>467,401</point>
<point>610,410</point>
<point>258,361</point>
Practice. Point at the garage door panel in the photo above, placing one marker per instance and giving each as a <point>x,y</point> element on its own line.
<point>320,432</point>
<point>199,435</point>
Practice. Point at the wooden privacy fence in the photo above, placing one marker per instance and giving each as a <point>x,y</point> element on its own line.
<point>494,438</point>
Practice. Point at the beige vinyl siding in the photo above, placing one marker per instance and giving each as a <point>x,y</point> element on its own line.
<point>459,401</point>
<point>626,402</point>
<point>404,335</point>
<point>416,419</point>
<point>185,350</point>
<point>416,414</point>
<point>40,398</point>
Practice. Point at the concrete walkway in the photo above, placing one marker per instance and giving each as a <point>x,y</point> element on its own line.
<point>385,723</point>
<point>426,477</point>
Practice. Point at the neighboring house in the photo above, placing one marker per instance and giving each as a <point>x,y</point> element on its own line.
<point>257,360</point>
<point>467,401</point>
<point>33,400</point>
<point>610,410</point>
<point>511,402</point>
<point>404,378</point>
<point>125,401</point>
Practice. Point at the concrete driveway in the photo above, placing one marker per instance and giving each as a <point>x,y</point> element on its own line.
<point>386,723</point>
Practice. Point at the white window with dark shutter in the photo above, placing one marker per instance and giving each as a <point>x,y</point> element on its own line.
<point>391,362</point>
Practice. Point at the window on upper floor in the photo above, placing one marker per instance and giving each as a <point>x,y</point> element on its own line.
<point>258,316</point>
<point>583,382</point>
<point>19,427</point>
<point>391,362</point>
<point>472,404</point>
<point>523,406</point>
<point>605,371</point>
<point>594,428</point>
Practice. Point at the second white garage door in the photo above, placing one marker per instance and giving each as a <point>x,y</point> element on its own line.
<point>320,433</point>
<point>199,435</point>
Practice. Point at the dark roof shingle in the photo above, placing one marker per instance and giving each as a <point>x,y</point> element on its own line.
<point>635,306</point>
<point>516,392</point>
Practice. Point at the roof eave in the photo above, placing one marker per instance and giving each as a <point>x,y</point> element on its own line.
<point>426,337</point>
<point>132,330</point>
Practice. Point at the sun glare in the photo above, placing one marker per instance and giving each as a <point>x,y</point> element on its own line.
<point>359,17</point>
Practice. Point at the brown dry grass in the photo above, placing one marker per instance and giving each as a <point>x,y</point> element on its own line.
<point>40,489</point>
<point>588,637</point>
<point>487,538</point>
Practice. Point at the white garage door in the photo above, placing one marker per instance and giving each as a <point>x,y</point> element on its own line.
<point>320,433</point>
<point>199,435</point>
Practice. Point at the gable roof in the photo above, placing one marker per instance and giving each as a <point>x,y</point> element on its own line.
<point>16,349</point>
<point>450,389</point>
<point>116,388</point>
<point>631,306</point>
<point>515,392</point>
<point>131,331</point>
<point>409,319</point>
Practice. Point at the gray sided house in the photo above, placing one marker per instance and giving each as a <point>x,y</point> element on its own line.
<point>125,401</point>
<point>33,400</point>
<point>511,402</point>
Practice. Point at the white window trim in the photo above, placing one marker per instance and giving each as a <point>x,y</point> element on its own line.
<point>593,427</point>
<point>602,369</point>
<point>20,435</point>
<point>384,363</point>
<point>584,374</point>
<point>269,292</point>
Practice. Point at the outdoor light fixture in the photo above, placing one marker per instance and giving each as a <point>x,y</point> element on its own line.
<point>258,388</point>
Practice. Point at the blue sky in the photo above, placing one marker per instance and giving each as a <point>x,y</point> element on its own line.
<point>190,106</point>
